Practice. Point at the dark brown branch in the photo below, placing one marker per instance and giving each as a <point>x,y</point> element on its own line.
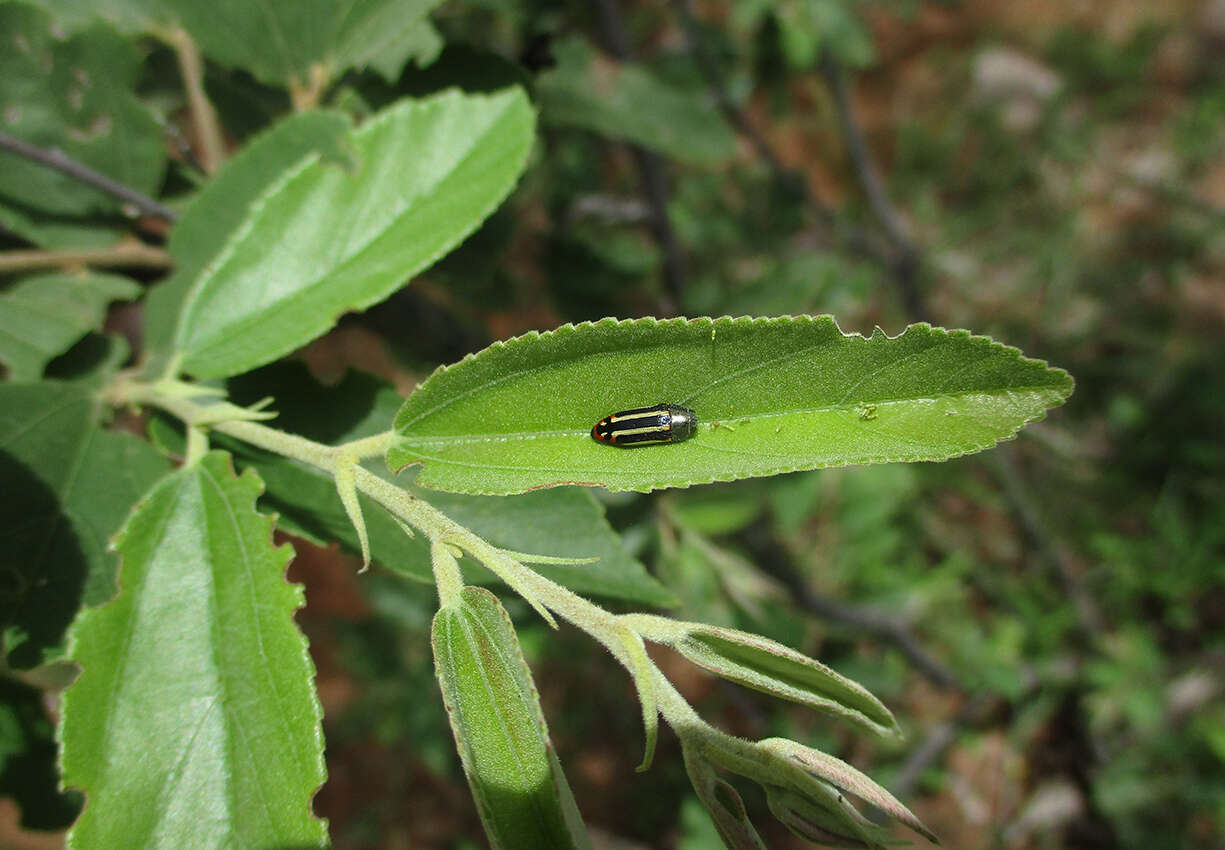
<point>57,160</point>
<point>775,561</point>
<point>860,242</point>
<point>1024,507</point>
<point>650,166</point>
<point>904,262</point>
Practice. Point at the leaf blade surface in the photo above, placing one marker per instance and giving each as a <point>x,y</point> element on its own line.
<point>330,238</point>
<point>771,396</point>
<point>238,750</point>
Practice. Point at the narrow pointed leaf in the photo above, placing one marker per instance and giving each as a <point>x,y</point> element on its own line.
<point>347,492</point>
<point>194,722</point>
<point>722,802</point>
<point>770,667</point>
<point>643,673</point>
<point>819,823</point>
<point>770,395</point>
<point>421,176</point>
<point>521,793</point>
<point>849,779</point>
<point>42,316</point>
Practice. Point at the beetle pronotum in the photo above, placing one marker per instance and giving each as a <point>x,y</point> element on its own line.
<point>644,426</point>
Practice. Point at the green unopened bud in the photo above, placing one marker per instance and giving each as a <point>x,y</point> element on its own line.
<point>831,771</point>
<point>722,802</point>
<point>813,822</point>
<point>770,667</point>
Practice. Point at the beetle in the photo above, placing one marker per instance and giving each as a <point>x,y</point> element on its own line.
<point>645,426</point>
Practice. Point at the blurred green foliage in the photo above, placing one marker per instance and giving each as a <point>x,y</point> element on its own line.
<point>1073,582</point>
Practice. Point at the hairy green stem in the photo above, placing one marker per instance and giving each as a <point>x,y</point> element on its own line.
<point>544,594</point>
<point>616,633</point>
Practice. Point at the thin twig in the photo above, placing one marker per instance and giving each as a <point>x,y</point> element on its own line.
<point>650,167</point>
<point>203,117</point>
<point>1020,499</point>
<point>861,157</point>
<point>938,739</point>
<point>57,160</point>
<point>775,561</point>
<point>860,242</point>
<point>128,254</point>
<point>904,263</point>
<point>905,268</point>
<point>1173,193</point>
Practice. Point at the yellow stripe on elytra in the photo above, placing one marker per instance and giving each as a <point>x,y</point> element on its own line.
<point>622,432</point>
<point>650,414</point>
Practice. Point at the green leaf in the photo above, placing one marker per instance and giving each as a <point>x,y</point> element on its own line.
<point>53,232</point>
<point>629,103</point>
<point>806,29</point>
<point>42,316</point>
<point>769,667</point>
<point>722,802</point>
<point>224,204</point>
<point>771,396</point>
<point>521,793</point>
<point>841,775</point>
<point>127,16</point>
<point>68,486</point>
<point>281,43</point>
<point>227,199</point>
<point>75,95</point>
<point>422,45</point>
<point>565,521</point>
<point>326,239</point>
<point>384,35</point>
<point>194,722</point>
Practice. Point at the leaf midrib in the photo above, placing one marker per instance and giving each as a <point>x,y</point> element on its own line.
<point>509,436</point>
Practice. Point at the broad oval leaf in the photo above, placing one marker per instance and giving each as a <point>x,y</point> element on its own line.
<point>771,396</point>
<point>219,210</point>
<point>503,740</point>
<point>194,722</point>
<point>332,237</point>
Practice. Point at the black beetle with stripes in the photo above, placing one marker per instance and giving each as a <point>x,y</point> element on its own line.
<point>645,426</point>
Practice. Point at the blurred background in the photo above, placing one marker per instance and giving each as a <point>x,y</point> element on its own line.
<point>1046,620</point>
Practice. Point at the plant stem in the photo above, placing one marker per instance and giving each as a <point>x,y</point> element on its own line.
<point>203,117</point>
<point>860,242</point>
<point>306,95</point>
<point>434,524</point>
<point>650,169</point>
<point>904,262</point>
<point>59,161</point>
<point>124,254</point>
<point>370,446</point>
